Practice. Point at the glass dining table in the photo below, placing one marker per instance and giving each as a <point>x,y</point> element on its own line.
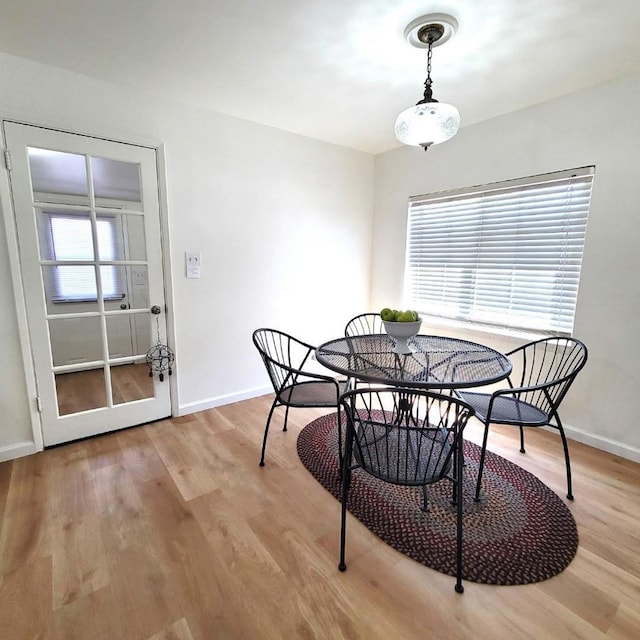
<point>435,362</point>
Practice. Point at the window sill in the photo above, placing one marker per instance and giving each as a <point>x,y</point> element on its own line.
<point>482,329</point>
<point>94,299</point>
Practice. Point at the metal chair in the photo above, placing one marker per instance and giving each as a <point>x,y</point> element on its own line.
<point>543,371</point>
<point>364,324</point>
<point>285,358</point>
<point>409,437</point>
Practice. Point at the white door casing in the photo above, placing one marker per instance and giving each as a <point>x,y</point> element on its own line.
<point>112,327</point>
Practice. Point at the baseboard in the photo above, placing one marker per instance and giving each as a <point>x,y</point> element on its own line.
<point>218,401</point>
<point>603,444</point>
<point>17,450</point>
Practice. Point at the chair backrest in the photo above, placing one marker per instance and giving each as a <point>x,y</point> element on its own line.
<point>364,324</point>
<point>404,436</point>
<point>545,369</point>
<point>283,355</point>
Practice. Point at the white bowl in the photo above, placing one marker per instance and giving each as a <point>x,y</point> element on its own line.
<point>402,331</point>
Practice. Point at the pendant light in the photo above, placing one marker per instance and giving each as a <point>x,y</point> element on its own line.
<point>429,122</point>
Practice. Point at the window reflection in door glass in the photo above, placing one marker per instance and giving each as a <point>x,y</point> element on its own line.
<point>136,283</point>
<point>119,336</point>
<point>80,391</point>
<point>131,382</point>
<point>132,243</point>
<point>64,235</point>
<point>58,177</point>
<point>75,340</point>
<point>128,334</point>
<point>142,333</point>
<point>71,237</point>
<point>64,284</point>
<point>116,183</point>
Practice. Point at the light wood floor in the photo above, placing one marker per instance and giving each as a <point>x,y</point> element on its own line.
<point>172,531</point>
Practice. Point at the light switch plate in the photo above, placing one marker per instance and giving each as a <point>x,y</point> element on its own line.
<point>192,261</point>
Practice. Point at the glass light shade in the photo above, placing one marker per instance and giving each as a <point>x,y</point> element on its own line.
<point>427,123</point>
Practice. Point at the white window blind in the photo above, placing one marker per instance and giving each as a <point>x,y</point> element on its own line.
<point>71,239</point>
<point>506,254</point>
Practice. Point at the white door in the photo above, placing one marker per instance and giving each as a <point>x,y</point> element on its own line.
<point>88,223</point>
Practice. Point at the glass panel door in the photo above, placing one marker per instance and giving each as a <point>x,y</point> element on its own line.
<point>87,216</point>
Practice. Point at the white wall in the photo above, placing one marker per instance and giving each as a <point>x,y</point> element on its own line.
<point>598,127</point>
<point>283,223</point>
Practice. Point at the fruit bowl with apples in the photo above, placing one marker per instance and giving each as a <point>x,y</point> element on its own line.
<point>401,326</point>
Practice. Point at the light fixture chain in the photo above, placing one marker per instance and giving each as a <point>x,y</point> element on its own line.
<point>428,93</point>
<point>429,54</point>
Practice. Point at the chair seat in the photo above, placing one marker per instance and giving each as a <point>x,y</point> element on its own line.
<point>505,409</point>
<point>411,458</point>
<point>542,372</point>
<point>295,384</point>
<point>309,394</point>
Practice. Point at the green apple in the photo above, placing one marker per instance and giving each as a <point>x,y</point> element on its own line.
<point>406,316</point>
<point>387,314</point>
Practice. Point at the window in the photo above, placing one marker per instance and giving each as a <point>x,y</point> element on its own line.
<point>70,238</point>
<point>505,254</point>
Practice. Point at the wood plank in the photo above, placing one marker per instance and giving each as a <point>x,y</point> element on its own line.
<point>626,624</point>
<point>139,585</point>
<point>177,631</point>
<point>25,602</point>
<point>98,615</point>
<point>25,535</point>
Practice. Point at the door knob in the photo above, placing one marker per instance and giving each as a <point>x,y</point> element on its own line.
<point>156,310</point>
<point>124,305</point>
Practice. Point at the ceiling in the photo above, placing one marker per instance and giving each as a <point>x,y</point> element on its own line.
<point>335,70</point>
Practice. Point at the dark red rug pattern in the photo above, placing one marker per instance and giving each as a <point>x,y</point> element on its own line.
<point>521,532</point>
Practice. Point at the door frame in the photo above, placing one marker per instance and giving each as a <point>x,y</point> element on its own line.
<point>26,349</point>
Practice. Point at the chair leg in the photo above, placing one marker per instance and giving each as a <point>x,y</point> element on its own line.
<point>425,499</point>
<point>457,461</point>
<point>481,465</point>
<point>340,453</point>
<point>522,440</point>
<point>346,481</point>
<point>286,417</point>
<point>266,431</point>
<point>459,500</point>
<point>567,462</point>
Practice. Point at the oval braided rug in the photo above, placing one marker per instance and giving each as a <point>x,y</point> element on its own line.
<point>521,533</point>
